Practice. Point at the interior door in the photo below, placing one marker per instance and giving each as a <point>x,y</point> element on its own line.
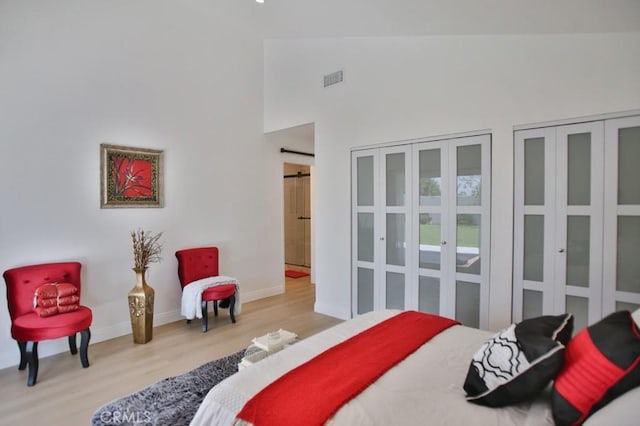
<point>365,249</point>
<point>451,225</point>
<point>394,224</point>
<point>622,215</point>
<point>381,205</point>
<point>432,199</point>
<point>469,162</point>
<point>558,222</point>
<point>534,221</point>
<point>579,219</point>
<point>297,215</point>
<point>420,224</point>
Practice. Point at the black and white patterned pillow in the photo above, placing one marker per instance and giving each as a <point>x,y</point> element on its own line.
<point>518,362</point>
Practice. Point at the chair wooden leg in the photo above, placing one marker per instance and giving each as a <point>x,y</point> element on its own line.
<point>205,318</point>
<point>72,344</point>
<point>85,336</point>
<point>232,304</point>
<point>188,321</point>
<point>215,307</point>
<point>32,359</point>
<point>23,355</point>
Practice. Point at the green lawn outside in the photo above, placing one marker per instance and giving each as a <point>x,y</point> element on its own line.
<point>468,235</point>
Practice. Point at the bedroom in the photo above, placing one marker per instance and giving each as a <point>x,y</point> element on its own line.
<point>206,82</point>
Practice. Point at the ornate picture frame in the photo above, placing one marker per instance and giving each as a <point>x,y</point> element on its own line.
<point>131,177</point>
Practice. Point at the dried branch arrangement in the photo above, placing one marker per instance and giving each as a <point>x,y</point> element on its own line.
<point>146,248</point>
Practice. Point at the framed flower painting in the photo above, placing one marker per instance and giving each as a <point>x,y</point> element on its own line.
<point>130,177</point>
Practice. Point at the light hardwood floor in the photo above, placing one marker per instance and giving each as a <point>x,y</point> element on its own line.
<point>67,394</point>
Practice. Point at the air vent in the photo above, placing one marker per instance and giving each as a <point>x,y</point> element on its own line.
<point>333,78</point>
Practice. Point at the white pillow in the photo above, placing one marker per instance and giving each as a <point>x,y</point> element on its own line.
<point>636,316</point>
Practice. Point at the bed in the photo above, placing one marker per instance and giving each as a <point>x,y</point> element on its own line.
<point>424,388</point>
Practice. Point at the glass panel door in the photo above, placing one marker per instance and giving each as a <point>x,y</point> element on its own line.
<point>364,230</point>
<point>469,160</point>
<point>420,228</point>
<point>430,202</point>
<point>451,225</point>
<point>431,221</point>
<point>380,234</point>
<point>534,223</point>
<point>622,215</point>
<point>297,214</point>
<point>579,209</point>
<point>589,214</point>
<point>395,167</point>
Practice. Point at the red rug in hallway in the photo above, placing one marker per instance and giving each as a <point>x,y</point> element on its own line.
<point>295,274</point>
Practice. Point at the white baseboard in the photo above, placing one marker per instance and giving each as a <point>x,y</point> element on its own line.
<point>11,356</point>
<point>327,309</point>
<point>249,296</point>
<point>124,327</point>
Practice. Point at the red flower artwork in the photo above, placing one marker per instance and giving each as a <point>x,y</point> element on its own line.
<point>132,178</point>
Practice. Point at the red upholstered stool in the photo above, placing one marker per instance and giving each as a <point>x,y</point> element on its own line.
<point>215,294</point>
<point>202,262</point>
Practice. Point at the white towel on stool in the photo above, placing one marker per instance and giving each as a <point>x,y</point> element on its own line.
<point>192,295</point>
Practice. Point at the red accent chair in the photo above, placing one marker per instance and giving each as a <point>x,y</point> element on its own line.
<point>202,262</point>
<point>28,328</point>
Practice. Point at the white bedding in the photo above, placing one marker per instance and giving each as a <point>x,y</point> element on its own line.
<point>192,295</point>
<point>425,388</point>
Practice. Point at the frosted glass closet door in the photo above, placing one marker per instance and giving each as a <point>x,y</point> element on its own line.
<point>622,215</point>
<point>451,225</point>
<point>395,184</point>
<point>534,222</point>
<point>380,234</point>
<point>558,205</point>
<point>365,253</point>
<point>469,228</point>
<point>579,221</point>
<point>432,194</point>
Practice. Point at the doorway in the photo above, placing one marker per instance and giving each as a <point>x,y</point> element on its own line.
<point>297,215</point>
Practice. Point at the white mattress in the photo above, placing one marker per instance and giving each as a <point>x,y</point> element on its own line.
<point>425,388</point>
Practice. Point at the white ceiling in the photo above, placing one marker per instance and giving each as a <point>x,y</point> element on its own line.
<point>372,18</point>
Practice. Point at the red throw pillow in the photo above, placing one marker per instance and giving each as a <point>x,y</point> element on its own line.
<point>601,363</point>
<point>68,300</point>
<point>66,289</point>
<point>55,298</point>
<point>46,303</point>
<point>46,312</point>
<point>62,309</point>
<point>47,291</point>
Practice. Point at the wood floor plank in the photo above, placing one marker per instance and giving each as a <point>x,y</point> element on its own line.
<point>67,394</point>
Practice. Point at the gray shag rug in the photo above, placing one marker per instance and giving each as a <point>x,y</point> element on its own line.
<point>171,401</point>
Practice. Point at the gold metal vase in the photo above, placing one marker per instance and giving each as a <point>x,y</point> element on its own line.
<point>141,308</point>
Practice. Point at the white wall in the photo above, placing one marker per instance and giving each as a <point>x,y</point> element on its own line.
<point>185,77</point>
<point>411,87</point>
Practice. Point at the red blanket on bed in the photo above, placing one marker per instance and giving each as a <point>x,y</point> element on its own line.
<point>312,393</point>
